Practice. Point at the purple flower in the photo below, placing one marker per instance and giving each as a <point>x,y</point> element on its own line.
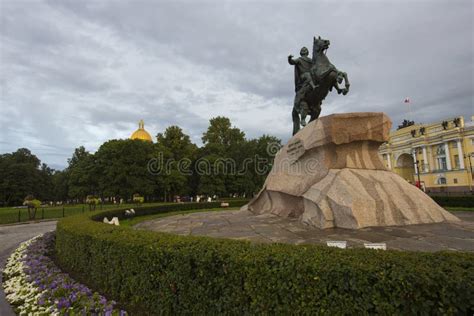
<point>63,303</point>
<point>57,286</point>
<point>102,300</point>
<point>73,297</point>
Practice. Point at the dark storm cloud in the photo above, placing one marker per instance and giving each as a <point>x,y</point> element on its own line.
<point>77,73</point>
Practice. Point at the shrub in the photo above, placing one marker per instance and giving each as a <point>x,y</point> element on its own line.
<point>92,200</point>
<point>159,273</point>
<point>138,199</point>
<point>171,207</point>
<point>454,201</point>
<point>32,205</point>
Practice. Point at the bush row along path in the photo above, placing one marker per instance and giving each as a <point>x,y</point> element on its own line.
<point>10,237</point>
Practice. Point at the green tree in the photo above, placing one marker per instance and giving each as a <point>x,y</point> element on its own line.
<point>246,162</point>
<point>122,168</point>
<point>45,189</point>
<point>266,148</point>
<point>82,174</point>
<point>21,175</point>
<point>222,151</point>
<point>222,135</point>
<point>60,185</point>
<point>176,154</point>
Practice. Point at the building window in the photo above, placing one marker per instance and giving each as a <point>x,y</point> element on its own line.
<point>441,180</point>
<point>456,161</point>
<point>454,145</point>
<point>442,163</point>
<point>455,180</point>
<point>440,150</point>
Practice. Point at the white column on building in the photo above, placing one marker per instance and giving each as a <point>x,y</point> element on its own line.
<point>432,160</point>
<point>414,161</point>
<point>460,154</point>
<point>425,159</point>
<point>448,156</point>
<point>389,162</point>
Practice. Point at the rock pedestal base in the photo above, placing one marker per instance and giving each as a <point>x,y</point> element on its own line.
<point>330,175</point>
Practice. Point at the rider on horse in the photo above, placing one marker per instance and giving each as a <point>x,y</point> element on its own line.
<point>303,81</point>
<point>314,78</point>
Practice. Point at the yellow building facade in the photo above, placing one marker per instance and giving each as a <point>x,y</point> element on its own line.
<point>438,156</point>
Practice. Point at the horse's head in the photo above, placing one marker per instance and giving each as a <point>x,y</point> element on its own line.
<point>320,45</point>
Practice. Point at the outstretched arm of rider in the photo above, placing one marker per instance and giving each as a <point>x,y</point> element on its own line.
<point>292,61</point>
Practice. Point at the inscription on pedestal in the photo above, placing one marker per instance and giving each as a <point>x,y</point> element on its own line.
<point>295,149</point>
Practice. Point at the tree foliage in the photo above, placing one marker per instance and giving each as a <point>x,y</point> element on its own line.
<point>22,174</point>
<point>227,164</point>
<point>122,168</point>
<point>176,153</point>
<point>82,170</point>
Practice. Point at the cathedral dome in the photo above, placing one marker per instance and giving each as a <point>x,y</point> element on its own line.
<point>141,133</point>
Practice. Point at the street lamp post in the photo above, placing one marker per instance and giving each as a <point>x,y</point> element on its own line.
<point>417,169</point>
<point>468,156</point>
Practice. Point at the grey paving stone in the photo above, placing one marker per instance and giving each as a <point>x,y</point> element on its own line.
<point>244,225</point>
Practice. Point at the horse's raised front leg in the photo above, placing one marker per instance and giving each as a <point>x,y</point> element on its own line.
<point>338,89</point>
<point>346,82</point>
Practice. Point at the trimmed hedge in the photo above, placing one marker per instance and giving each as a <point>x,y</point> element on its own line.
<point>454,201</point>
<point>153,273</point>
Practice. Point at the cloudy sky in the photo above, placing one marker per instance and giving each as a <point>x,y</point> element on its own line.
<point>78,73</point>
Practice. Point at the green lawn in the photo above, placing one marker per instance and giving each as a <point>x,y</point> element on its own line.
<point>133,221</point>
<point>9,215</point>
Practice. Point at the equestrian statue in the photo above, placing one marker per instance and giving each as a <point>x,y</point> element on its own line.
<point>314,78</point>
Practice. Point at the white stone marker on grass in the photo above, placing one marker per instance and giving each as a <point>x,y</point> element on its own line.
<point>114,221</point>
<point>379,246</point>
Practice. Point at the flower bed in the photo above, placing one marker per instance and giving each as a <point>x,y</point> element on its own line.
<point>35,285</point>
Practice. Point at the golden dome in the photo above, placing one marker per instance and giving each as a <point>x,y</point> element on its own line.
<point>141,133</point>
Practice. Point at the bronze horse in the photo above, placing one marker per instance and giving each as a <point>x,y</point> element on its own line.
<point>325,77</point>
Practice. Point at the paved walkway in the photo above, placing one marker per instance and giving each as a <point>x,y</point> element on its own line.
<point>270,228</point>
<point>10,237</point>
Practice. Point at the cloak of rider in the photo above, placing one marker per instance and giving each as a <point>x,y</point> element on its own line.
<point>303,64</point>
